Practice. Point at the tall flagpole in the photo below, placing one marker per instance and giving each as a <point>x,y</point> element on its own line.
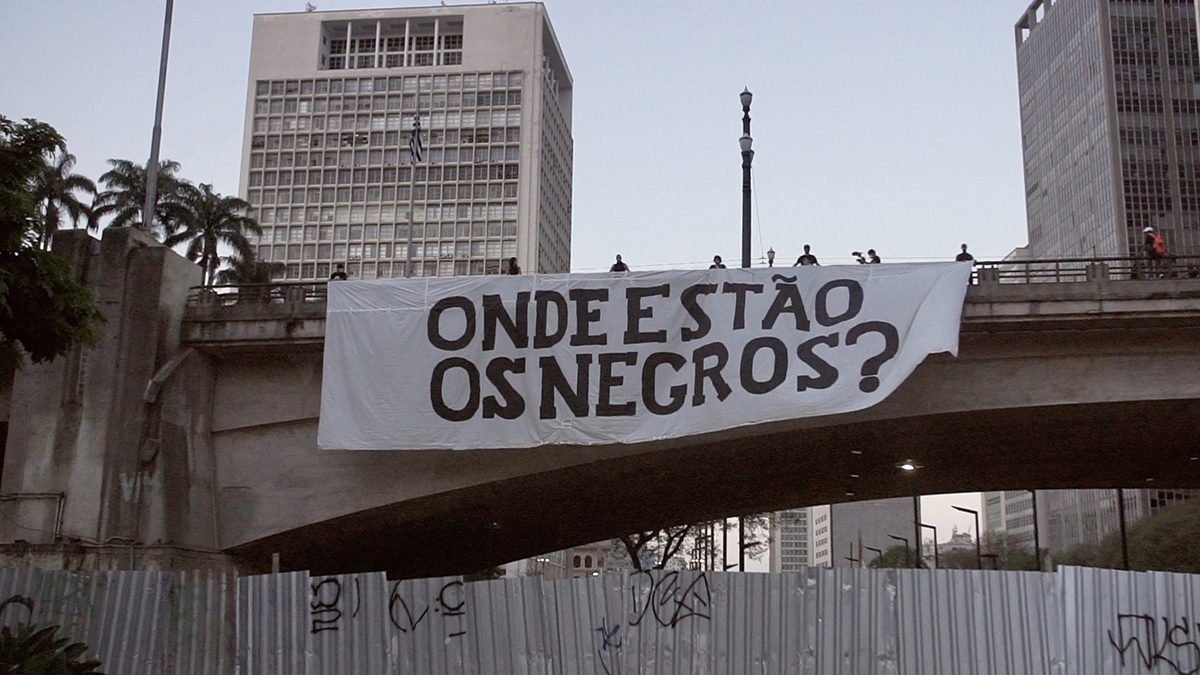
<point>156,140</point>
<point>414,146</point>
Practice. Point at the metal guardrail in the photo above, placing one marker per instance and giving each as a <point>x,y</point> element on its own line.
<point>1070,270</point>
<point>258,294</point>
<point>1059,270</point>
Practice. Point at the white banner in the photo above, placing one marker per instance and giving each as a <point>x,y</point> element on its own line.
<point>583,359</point>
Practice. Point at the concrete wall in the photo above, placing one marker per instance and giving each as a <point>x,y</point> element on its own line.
<point>91,459</point>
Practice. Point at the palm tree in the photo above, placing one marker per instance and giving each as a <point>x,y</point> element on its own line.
<point>124,196</point>
<point>206,220</point>
<point>55,188</point>
<point>243,271</point>
<point>253,273</point>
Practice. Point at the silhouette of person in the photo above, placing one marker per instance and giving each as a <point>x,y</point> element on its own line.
<point>964,256</point>
<point>339,274</point>
<point>872,259</point>
<point>717,264</point>
<point>619,266</point>
<point>513,267</point>
<point>806,259</point>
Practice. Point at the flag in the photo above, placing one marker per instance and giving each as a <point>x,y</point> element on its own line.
<point>414,141</point>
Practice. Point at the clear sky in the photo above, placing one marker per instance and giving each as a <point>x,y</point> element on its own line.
<point>880,125</point>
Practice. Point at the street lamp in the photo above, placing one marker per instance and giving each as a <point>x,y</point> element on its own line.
<point>907,554</point>
<point>910,468</point>
<point>747,156</point>
<point>878,552</point>
<point>771,257</point>
<point>937,564</point>
<point>978,553</point>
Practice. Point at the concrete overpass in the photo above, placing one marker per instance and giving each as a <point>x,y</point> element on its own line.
<point>198,433</point>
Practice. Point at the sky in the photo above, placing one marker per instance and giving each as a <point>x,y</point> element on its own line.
<point>892,126</point>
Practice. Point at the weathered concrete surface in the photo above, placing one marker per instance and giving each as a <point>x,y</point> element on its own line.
<point>1056,385</point>
<point>89,459</point>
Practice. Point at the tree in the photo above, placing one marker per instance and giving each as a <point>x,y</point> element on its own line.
<point>652,550</point>
<point>124,196</point>
<point>897,557</point>
<point>1168,541</point>
<point>43,311</point>
<point>206,220</point>
<point>30,649</point>
<point>55,189</point>
<point>244,270</point>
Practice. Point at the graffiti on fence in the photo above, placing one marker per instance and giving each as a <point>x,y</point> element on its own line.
<point>609,650</point>
<point>449,602</point>
<point>1176,647</point>
<point>668,599</point>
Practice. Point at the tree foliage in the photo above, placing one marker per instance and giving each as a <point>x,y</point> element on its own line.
<point>1166,542</point>
<point>897,557</point>
<point>205,220</point>
<point>56,189</point>
<point>124,197</point>
<point>654,549</point>
<point>34,650</point>
<point>43,311</point>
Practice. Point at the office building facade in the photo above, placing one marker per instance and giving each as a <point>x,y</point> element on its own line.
<point>790,541</point>
<point>333,173</point>
<point>1110,125</point>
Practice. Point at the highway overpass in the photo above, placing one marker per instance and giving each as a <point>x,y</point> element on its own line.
<point>192,428</point>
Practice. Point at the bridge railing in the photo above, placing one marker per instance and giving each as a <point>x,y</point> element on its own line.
<point>258,294</point>
<point>1067,270</point>
<point>1062,270</point>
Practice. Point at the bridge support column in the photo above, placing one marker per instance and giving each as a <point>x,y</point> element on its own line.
<point>125,454</point>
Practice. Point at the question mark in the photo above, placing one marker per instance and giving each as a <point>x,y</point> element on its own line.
<point>870,367</point>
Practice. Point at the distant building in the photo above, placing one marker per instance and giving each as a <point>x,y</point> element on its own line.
<point>1070,518</point>
<point>329,165</point>
<point>959,541</point>
<point>791,540</point>
<point>1110,125</point>
<point>829,536</point>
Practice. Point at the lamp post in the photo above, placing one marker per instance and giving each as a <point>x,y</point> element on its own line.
<point>747,156</point>
<point>771,257</point>
<point>910,468</point>
<point>1037,542</point>
<point>978,552</point>
<point>156,137</point>
<point>907,554</point>
<point>937,563</point>
<point>1124,534</point>
<point>878,552</point>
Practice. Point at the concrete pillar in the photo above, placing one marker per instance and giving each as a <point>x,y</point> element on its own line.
<point>127,464</point>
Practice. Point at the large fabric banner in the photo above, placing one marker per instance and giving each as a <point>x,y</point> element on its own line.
<point>582,359</point>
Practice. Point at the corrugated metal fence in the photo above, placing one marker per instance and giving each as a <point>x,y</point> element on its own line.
<point>846,621</point>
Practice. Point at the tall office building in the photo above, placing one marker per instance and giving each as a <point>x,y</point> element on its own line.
<point>790,540</point>
<point>328,161</point>
<point>1070,518</point>
<point>1110,125</point>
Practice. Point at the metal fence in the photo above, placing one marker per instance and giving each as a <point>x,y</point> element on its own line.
<point>1069,270</point>
<point>1077,621</point>
<point>1064,270</point>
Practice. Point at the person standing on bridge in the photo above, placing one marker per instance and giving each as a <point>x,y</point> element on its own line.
<point>807,259</point>
<point>513,267</point>
<point>964,256</point>
<point>1156,250</point>
<point>339,274</point>
<point>619,266</point>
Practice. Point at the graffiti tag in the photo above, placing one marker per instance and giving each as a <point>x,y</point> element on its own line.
<point>1175,646</point>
